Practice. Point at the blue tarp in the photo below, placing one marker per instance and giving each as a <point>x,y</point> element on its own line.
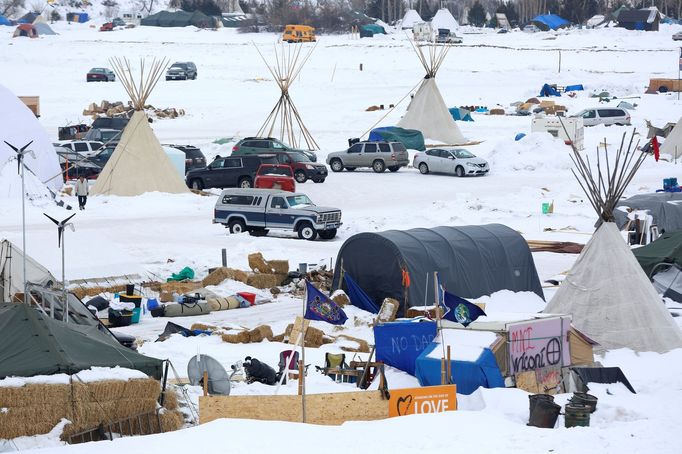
<point>548,90</point>
<point>467,375</point>
<point>5,21</point>
<point>549,21</point>
<point>357,297</point>
<point>578,87</point>
<point>460,114</point>
<point>398,344</point>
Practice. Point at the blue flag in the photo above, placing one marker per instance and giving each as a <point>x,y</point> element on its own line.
<point>320,307</point>
<point>358,297</point>
<point>460,310</point>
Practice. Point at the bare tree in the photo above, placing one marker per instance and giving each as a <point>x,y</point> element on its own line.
<point>146,6</point>
<point>10,7</point>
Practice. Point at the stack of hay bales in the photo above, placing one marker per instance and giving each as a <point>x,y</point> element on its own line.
<point>266,273</point>
<point>258,334</point>
<point>218,275</point>
<point>361,345</point>
<point>314,337</point>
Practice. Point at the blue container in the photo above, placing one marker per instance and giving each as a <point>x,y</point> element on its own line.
<point>136,315</point>
<point>152,304</point>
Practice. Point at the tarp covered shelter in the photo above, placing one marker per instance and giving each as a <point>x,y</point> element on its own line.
<point>473,364</point>
<point>665,207</point>
<point>12,274</point>
<point>459,114</point>
<point>666,249</point>
<point>472,261</point>
<point>179,19</point>
<point>77,17</point>
<point>639,19</point>
<point>549,21</point>
<point>376,29</point>
<point>4,20</point>
<point>411,138</point>
<point>673,141</point>
<point>25,30</point>
<point>547,90</point>
<point>34,344</point>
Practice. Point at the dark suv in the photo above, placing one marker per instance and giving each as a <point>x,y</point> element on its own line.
<point>194,158</point>
<point>229,172</point>
<point>302,167</point>
<point>259,145</point>
<point>182,71</point>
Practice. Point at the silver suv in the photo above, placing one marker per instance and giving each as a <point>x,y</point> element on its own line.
<point>377,155</point>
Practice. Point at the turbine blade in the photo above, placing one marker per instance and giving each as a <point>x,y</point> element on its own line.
<point>67,219</point>
<point>26,146</point>
<point>60,232</point>
<point>51,219</point>
<point>11,146</point>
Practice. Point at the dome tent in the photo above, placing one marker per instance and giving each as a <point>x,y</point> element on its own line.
<point>471,261</point>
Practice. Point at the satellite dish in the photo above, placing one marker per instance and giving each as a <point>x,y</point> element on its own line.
<point>218,381</point>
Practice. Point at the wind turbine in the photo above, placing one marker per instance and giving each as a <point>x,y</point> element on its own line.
<point>21,152</point>
<point>61,225</point>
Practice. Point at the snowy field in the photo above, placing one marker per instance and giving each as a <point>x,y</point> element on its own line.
<point>232,96</point>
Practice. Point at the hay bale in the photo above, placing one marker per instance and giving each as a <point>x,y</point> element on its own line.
<point>288,329</point>
<point>314,337</point>
<point>340,298</point>
<point>170,399</point>
<point>278,338</point>
<point>420,311</point>
<point>203,327</point>
<point>533,101</point>
<point>278,266</point>
<point>362,345</point>
<point>166,297</point>
<point>389,310</point>
<point>259,333</point>
<point>257,263</point>
<point>372,108</point>
<point>265,281</point>
<point>221,274</point>
<point>496,112</point>
<point>179,287</point>
<point>171,420</point>
<point>241,337</point>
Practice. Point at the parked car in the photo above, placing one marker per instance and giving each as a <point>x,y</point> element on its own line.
<point>194,158</point>
<point>457,161</point>
<point>259,210</point>
<point>445,36</point>
<point>531,28</point>
<point>87,147</point>
<point>110,123</point>
<point>275,176</point>
<point>118,22</point>
<point>182,71</point>
<point>377,155</point>
<point>299,34</point>
<point>101,156</point>
<point>604,116</point>
<point>75,165</point>
<point>677,36</point>
<point>103,135</point>
<point>229,172</point>
<point>107,27</point>
<point>258,145</point>
<point>100,75</point>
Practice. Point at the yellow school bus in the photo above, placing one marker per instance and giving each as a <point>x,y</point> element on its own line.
<point>299,34</point>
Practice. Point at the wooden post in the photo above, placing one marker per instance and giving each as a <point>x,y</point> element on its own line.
<point>449,368</point>
<point>442,371</point>
<point>205,383</point>
<point>559,60</point>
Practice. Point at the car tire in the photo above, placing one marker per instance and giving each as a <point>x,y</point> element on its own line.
<point>459,171</point>
<point>197,184</point>
<point>423,168</point>
<point>378,166</point>
<point>321,180</point>
<point>237,226</point>
<point>300,176</point>
<point>336,165</point>
<point>663,89</point>
<point>327,234</point>
<point>394,168</point>
<point>306,231</point>
<point>245,183</point>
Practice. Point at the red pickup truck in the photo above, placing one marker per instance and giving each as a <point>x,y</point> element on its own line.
<point>275,176</point>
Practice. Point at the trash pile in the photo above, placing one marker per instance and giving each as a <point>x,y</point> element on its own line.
<point>119,109</point>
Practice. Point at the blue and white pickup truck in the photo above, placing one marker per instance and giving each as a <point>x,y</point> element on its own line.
<point>259,210</point>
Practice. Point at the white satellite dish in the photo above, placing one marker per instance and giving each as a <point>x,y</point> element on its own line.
<point>218,381</point>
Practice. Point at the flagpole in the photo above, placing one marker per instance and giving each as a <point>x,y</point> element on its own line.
<point>301,365</point>
<point>439,325</point>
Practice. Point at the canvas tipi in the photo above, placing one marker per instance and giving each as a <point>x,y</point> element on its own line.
<point>606,291</point>
<point>444,20</point>
<point>410,18</point>
<point>289,60</point>
<point>138,164</point>
<point>427,111</point>
<point>673,142</point>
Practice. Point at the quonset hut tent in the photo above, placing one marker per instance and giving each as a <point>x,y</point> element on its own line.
<point>664,207</point>
<point>471,261</point>
<point>666,249</point>
<point>34,344</point>
<point>179,19</point>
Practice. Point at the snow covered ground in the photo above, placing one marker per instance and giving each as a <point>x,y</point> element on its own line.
<point>232,96</point>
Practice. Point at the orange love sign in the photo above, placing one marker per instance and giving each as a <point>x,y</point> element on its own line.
<point>429,399</point>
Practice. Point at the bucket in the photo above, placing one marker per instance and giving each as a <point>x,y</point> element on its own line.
<point>545,208</point>
<point>577,415</point>
<point>152,304</point>
<point>543,411</point>
<point>136,315</point>
<point>585,399</point>
<point>130,289</point>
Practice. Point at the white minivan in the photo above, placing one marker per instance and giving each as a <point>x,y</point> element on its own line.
<point>604,116</point>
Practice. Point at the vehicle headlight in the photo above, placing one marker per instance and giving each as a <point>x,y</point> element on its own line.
<point>471,164</point>
<point>309,167</point>
<point>318,220</point>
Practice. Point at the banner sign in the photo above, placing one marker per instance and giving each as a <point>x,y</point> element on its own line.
<point>536,344</point>
<point>429,399</point>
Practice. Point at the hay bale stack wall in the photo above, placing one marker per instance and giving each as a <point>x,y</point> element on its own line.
<point>35,409</point>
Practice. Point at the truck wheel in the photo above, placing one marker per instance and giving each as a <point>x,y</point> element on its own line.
<point>197,185</point>
<point>663,89</point>
<point>300,176</point>
<point>306,231</point>
<point>423,168</point>
<point>245,183</point>
<point>327,234</point>
<point>394,168</point>
<point>378,166</point>
<point>336,165</point>
<point>237,226</point>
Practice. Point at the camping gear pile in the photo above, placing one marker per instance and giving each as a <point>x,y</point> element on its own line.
<point>119,109</point>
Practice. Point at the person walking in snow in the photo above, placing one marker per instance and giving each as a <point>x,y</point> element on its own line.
<point>82,192</point>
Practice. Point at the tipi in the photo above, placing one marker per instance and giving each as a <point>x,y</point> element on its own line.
<point>410,18</point>
<point>673,142</point>
<point>19,126</point>
<point>606,291</point>
<point>138,164</point>
<point>288,64</point>
<point>444,20</point>
<point>427,111</point>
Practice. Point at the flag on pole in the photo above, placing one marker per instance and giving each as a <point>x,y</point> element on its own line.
<point>680,62</point>
<point>320,307</point>
<point>656,148</point>
<point>460,310</point>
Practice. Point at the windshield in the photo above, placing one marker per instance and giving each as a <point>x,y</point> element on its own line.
<point>299,157</point>
<point>462,154</point>
<point>177,68</point>
<point>108,135</point>
<point>299,200</point>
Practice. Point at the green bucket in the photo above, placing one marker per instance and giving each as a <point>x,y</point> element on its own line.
<point>585,399</point>
<point>577,415</point>
<point>545,207</point>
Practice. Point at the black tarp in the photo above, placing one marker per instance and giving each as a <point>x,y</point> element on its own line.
<point>471,261</point>
<point>34,344</point>
<point>665,207</point>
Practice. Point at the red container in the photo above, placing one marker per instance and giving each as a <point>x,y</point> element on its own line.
<point>250,297</point>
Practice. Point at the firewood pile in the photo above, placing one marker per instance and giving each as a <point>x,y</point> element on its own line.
<point>120,109</point>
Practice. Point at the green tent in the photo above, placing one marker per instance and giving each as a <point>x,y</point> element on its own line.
<point>179,19</point>
<point>411,138</point>
<point>34,344</point>
<point>667,248</point>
